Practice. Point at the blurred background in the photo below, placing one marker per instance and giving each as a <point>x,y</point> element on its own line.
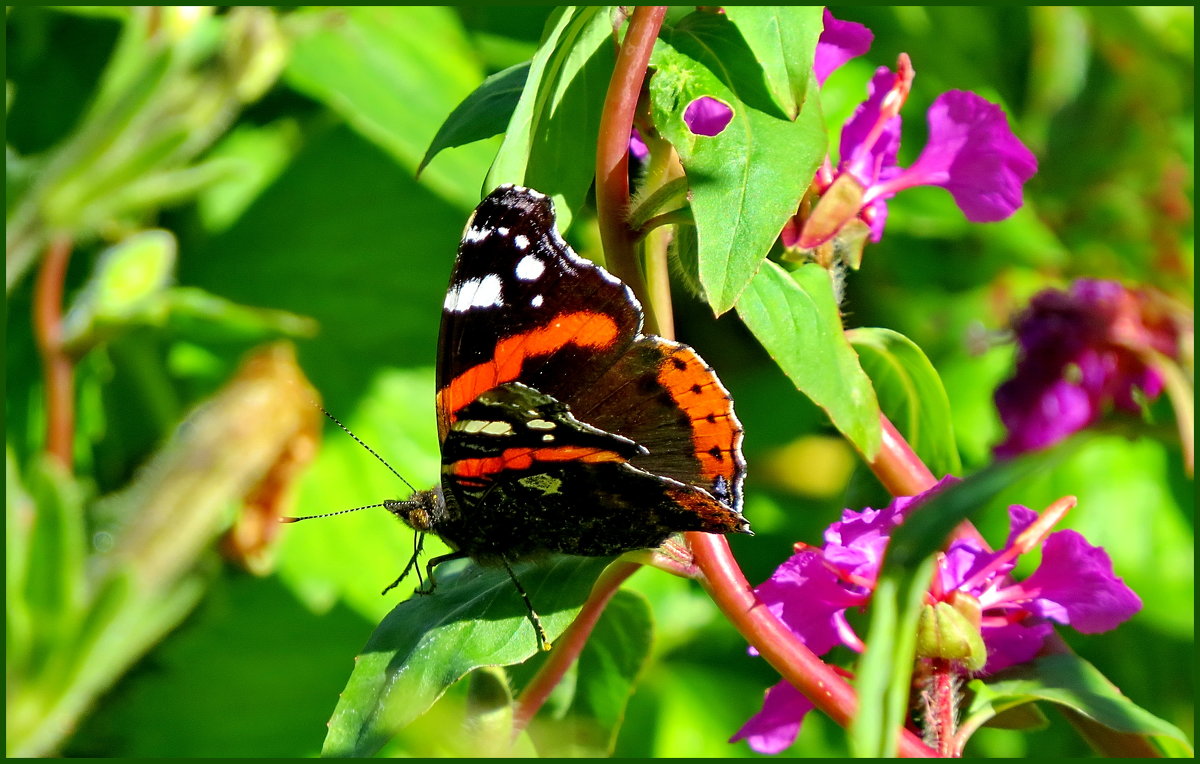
<point>236,191</point>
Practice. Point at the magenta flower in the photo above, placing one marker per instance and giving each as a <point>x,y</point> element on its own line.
<point>1081,351</point>
<point>971,152</point>
<point>811,592</point>
<point>840,41</point>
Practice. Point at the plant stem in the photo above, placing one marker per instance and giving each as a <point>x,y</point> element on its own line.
<point>941,708</point>
<point>612,150</point>
<point>568,646</point>
<point>898,467</point>
<point>658,279</point>
<point>57,365</point>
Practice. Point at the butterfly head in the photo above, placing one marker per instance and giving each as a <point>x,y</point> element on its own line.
<point>422,511</point>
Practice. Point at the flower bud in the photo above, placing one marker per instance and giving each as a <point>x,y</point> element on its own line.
<point>945,632</point>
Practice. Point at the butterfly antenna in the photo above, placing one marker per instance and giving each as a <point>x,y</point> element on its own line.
<point>358,440</point>
<point>328,514</point>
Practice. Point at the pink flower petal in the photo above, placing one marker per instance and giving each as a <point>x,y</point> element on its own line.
<point>973,154</point>
<point>840,41</point>
<point>1076,585</point>
<point>775,727</point>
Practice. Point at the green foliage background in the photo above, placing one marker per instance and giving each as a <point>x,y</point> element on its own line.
<point>321,216</point>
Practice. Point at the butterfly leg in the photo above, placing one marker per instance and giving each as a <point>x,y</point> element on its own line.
<point>418,545</point>
<point>543,640</point>
<point>412,561</point>
<point>429,566</point>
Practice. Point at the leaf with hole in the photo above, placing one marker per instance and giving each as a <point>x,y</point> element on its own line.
<point>747,180</point>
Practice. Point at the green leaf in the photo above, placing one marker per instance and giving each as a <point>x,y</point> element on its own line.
<point>1027,716</point>
<point>550,143</point>
<point>783,39</point>
<point>1070,681</point>
<point>484,113</point>
<point>427,643</point>
<point>746,181</point>
<point>607,669</point>
<point>911,395</point>
<point>393,73</point>
<point>796,319</point>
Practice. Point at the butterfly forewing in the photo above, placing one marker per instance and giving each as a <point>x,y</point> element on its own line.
<point>522,306</point>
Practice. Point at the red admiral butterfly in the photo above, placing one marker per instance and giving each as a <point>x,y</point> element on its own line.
<point>563,428</point>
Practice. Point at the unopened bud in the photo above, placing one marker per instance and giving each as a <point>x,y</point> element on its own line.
<point>944,632</point>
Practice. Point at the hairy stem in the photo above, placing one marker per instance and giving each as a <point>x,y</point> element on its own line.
<point>941,708</point>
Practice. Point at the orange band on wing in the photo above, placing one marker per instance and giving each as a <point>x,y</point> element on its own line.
<point>716,433</point>
<point>582,328</point>
<point>523,458</point>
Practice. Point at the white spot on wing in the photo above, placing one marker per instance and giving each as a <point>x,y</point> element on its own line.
<point>473,426</point>
<point>502,231</point>
<point>529,268</point>
<point>537,301</point>
<point>475,235</point>
<point>487,292</point>
<point>521,240</point>
<point>497,428</point>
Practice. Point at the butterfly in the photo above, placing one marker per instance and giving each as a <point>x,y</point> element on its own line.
<point>564,428</point>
